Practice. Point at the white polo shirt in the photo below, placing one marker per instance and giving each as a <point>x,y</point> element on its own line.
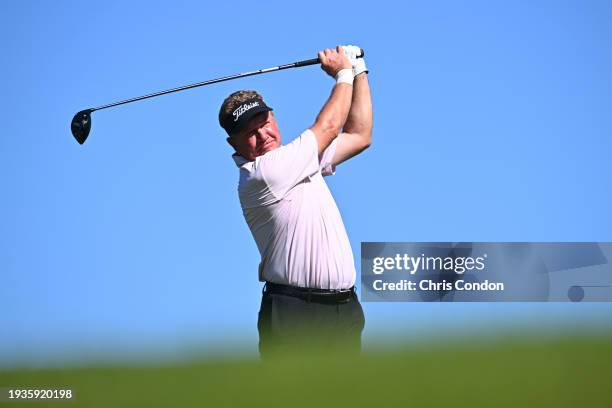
<point>294,218</point>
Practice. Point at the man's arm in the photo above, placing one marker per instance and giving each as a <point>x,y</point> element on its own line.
<point>357,132</point>
<point>335,111</point>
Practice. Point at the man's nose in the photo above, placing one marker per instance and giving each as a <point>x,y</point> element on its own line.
<point>261,134</point>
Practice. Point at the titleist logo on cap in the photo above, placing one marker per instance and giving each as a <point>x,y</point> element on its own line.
<point>236,120</point>
<point>238,112</point>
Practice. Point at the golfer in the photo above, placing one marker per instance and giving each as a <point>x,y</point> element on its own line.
<point>306,259</point>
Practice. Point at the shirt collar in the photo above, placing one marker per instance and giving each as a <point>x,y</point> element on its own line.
<point>239,160</point>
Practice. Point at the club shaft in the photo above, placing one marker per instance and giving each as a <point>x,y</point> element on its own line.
<point>212,81</point>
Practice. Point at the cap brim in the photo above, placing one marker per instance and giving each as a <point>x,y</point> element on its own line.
<point>248,115</point>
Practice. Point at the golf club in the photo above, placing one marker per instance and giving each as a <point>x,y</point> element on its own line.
<point>81,122</point>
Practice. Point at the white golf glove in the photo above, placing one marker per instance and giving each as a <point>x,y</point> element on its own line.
<point>351,52</point>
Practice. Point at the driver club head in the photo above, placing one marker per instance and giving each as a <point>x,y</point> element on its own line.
<point>81,124</point>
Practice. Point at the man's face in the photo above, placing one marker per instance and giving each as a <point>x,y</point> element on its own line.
<point>259,136</point>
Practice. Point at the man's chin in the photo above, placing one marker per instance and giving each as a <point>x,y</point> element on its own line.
<point>267,149</point>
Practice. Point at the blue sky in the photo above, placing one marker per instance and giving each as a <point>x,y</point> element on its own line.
<point>491,123</point>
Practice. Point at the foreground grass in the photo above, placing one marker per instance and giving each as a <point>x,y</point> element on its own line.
<point>557,373</point>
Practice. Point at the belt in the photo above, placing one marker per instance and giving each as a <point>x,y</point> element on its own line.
<point>311,295</point>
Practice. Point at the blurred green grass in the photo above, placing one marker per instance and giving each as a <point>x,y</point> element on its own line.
<point>542,373</point>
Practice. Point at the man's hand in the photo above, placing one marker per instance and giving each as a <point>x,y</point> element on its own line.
<point>358,64</point>
<point>332,61</point>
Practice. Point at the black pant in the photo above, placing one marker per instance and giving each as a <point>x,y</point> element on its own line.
<point>290,325</point>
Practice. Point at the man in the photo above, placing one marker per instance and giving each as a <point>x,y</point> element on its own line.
<point>306,258</point>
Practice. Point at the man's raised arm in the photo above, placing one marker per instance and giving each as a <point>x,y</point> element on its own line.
<point>356,135</point>
<point>335,111</point>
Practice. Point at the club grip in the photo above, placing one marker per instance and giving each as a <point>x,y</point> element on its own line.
<point>317,61</point>
<point>307,62</point>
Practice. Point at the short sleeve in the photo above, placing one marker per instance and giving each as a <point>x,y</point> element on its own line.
<point>326,162</point>
<point>285,167</point>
